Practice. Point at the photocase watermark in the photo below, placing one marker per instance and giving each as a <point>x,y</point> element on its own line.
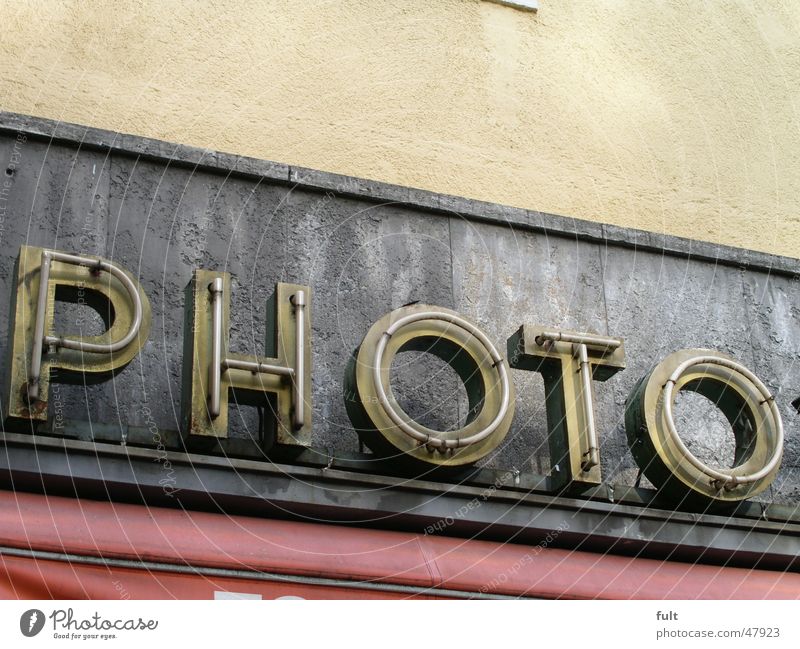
<point>31,622</point>
<point>168,481</point>
<point>81,301</point>
<point>56,402</point>
<point>121,590</point>
<point>351,396</point>
<point>525,559</point>
<point>67,626</point>
<point>7,182</point>
<point>321,204</point>
<point>518,351</point>
<point>443,523</point>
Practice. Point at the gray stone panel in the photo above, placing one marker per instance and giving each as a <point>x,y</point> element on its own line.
<point>772,306</point>
<point>367,248</point>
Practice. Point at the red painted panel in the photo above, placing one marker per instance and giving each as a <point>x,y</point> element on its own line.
<point>22,578</point>
<point>126,531</point>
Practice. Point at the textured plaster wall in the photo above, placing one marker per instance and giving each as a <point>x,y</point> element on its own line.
<point>677,117</point>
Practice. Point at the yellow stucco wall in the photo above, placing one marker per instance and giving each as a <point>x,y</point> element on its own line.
<point>666,115</point>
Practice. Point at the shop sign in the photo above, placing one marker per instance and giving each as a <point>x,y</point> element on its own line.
<point>569,361</point>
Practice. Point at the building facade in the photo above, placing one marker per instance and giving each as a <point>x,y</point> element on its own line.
<point>623,172</point>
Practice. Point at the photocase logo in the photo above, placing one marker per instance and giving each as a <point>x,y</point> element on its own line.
<point>31,622</point>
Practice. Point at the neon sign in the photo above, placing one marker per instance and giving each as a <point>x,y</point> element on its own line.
<point>569,361</point>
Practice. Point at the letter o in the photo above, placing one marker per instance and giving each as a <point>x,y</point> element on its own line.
<point>389,431</point>
<point>744,400</point>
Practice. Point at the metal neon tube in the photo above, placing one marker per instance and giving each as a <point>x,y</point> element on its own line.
<point>725,478</point>
<point>215,367</point>
<point>298,380</point>
<point>38,330</point>
<point>581,353</point>
<point>409,430</point>
<point>40,338</point>
<point>218,364</point>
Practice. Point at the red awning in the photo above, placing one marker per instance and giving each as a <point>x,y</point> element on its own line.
<point>65,548</point>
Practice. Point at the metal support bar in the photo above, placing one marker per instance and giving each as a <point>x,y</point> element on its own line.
<point>42,339</point>
<point>257,575</point>
<point>599,343</point>
<point>256,367</point>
